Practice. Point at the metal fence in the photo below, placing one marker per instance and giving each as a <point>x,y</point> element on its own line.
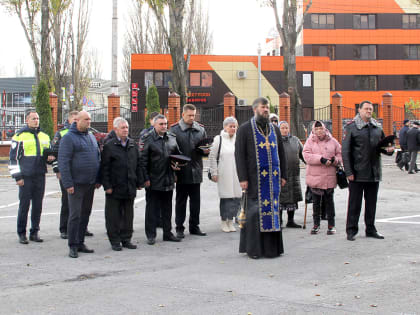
<point>101,114</point>
<point>11,121</point>
<point>322,113</point>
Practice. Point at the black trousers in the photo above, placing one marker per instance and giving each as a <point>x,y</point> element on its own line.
<point>80,208</point>
<point>32,190</point>
<point>64,213</point>
<point>148,203</point>
<point>183,191</point>
<point>326,200</point>
<point>356,191</point>
<point>160,202</point>
<point>119,215</point>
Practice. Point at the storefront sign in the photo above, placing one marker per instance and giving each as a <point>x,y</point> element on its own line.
<point>134,97</point>
<point>197,98</point>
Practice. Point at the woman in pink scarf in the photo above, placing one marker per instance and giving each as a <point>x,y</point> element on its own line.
<point>322,154</point>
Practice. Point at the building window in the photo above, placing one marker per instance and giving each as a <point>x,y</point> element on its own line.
<point>322,21</point>
<point>167,79</point>
<point>203,79</point>
<point>332,83</point>
<point>365,83</point>
<point>307,114</point>
<point>364,21</point>
<point>148,79</point>
<point>324,51</point>
<point>206,79</point>
<point>159,79</point>
<point>412,82</point>
<point>411,52</point>
<point>364,52</point>
<point>411,21</point>
<point>307,80</point>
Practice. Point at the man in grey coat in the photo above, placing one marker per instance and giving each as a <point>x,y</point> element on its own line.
<point>413,145</point>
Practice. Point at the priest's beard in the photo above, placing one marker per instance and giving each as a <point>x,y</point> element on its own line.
<point>261,120</point>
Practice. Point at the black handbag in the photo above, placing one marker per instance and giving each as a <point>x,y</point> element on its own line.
<point>341,178</point>
<point>218,156</point>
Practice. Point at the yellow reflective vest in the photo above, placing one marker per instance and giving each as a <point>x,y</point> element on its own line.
<point>27,152</point>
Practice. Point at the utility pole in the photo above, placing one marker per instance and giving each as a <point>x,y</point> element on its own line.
<point>114,77</point>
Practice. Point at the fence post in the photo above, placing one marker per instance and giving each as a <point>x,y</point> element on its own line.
<point>174,111</point>
<point>337,116</point>
<point>228,105</point>
<point>284,107</point>
<point>54,110</point>
<point>113,109</point>
<point>387,114</point>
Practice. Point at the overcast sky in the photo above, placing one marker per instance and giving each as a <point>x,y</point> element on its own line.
<point>238,26</point>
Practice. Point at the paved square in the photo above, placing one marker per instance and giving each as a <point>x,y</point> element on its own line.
<point>318,274</point>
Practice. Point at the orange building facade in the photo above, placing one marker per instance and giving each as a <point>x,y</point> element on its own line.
<point>373,47</point>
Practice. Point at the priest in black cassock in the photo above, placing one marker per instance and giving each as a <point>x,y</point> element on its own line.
<point>261,166</point>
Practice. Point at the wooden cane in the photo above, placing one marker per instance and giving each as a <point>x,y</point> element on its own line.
<point>304,219</point>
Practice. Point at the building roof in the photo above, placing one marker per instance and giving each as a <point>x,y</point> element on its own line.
<point>25,85</point>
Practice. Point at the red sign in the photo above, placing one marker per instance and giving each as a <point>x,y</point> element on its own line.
<point>134,95</point>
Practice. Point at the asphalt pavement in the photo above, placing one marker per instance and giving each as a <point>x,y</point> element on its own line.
<point>318,274</point>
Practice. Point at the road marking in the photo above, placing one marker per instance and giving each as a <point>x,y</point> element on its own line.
<point>394,220</point>
<point>58,213</point>
<point>17,202</point>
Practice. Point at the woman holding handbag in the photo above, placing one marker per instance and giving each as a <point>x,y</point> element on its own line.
<point>322,153</point>
<point>223,172</point>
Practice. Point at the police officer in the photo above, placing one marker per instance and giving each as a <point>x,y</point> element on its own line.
<point>188,134</point>
<point>28,167</point>
<point>55,144</point>
<point>159,178</point>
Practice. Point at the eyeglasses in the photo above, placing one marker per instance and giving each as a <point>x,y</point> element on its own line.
<point>276,121</point>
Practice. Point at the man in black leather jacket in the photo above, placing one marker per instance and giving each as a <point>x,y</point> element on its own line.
<point>362,164</point>
<point>188,133</point>
<point>159,177</point>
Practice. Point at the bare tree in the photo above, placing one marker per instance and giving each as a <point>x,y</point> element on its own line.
<point>289,30</point>
<point>202,36</point>
<point>175,33</point>
<point>20,69</point>
<point>81,69</point>
<point>45,34</point>
<point>60,46</point>
<point>95,69</point>
<point>27,12</point>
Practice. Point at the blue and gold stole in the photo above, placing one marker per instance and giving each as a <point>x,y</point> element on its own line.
<point>269,182</point>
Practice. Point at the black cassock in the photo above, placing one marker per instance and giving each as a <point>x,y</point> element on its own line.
<point>252,241</point>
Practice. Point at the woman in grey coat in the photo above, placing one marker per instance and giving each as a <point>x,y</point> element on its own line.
<point>291,193</point>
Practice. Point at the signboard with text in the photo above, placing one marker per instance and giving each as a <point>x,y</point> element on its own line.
<point>134,97</point>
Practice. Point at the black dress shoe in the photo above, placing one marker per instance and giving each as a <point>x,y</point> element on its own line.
<point>351,237</point>
<point>84,249</point>
<point>180,234</point>
<point>23,239</point>
<point>35,238</point>
<point>129,245</point>
<point>151,241</point>
<point>87,233</point>
<point>198,232</point>
<point>171,238</point>
<point>64,235</point>
<point>411,172</point>
<point>375,235</point>
<point>116,247</point>
<point>293,224</point>
<point>73,252</point>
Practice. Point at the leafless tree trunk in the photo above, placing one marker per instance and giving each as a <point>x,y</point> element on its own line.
<point>289,31</point>
<point>202,36</point>
<point>45,49</point>
<point>81,62</point>
<point>175,39</point>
